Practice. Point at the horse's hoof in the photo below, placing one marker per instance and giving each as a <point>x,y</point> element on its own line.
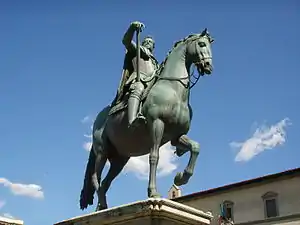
<point>181,179</point>
<point>153,194</point>
<point>100,207</point>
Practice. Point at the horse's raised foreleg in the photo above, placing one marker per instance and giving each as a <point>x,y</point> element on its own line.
<point>180,150</point>
<point>184,144</point>
<point>117,163</point>
<point>157,131</point>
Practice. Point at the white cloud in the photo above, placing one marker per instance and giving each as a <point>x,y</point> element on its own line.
<point>87,145</point>
<point>140,165</point>
<point>86,119</point>
<point>264,138</point>
<point>166,164</point>
<point>30,190</point>
<point>2,203</point>
<point>8,215</point>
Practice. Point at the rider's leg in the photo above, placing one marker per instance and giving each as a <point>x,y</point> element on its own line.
<point>136,91</point>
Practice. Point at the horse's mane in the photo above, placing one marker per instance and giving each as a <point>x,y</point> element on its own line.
<point>190,37</point>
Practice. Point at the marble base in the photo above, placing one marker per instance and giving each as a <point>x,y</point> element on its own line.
<point>158,211</point>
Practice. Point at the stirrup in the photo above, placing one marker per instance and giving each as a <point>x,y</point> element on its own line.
<point>139,120</point>
<point>140,116</point>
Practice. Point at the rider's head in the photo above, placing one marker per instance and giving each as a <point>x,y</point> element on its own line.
<point>149,43</point>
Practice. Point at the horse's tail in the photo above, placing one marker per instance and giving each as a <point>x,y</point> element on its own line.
<point>88,190</point>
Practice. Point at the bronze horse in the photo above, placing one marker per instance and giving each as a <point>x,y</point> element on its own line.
<point>168,115</point>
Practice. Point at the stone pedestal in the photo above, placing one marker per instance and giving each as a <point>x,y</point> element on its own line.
<point>148,212</point>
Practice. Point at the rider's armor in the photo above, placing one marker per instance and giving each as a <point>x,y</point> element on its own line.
<point>147,64</point>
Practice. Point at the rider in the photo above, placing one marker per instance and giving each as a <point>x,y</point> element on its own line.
<point>147,63</point>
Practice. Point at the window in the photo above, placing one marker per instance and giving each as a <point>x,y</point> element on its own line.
<point>173,194</point>
<point>228,209</point>
<point>270,204</point>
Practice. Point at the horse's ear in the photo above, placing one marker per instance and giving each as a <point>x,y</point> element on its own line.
<point>204,32</point>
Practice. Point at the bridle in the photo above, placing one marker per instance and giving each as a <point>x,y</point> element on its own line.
<point>182,79</point>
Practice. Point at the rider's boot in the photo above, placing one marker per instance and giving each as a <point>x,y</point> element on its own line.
<point>135,119</point>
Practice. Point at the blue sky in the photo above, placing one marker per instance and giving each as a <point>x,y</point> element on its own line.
<point>60,62</point>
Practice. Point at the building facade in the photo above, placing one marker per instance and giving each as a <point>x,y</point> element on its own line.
<point>272,199</point>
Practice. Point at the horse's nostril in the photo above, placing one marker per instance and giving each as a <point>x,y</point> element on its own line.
<point>207,63</point>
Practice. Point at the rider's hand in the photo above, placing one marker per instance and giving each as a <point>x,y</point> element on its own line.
<point>138,26</point>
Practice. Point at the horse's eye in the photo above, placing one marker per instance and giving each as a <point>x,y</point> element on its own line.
<point>202,44</point>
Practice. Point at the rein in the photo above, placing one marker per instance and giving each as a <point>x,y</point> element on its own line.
<point>187,86</point>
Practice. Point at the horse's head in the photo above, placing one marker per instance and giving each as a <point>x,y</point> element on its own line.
<point>199,52</point>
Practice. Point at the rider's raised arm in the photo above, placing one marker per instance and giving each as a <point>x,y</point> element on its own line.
<point>127,39</point>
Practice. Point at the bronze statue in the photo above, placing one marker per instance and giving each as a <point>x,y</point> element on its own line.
<point>164,103</point>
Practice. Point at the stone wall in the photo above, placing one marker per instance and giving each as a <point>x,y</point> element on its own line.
<point>248,202</point>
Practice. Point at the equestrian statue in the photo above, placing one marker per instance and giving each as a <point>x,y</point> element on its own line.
<point>151,108</point>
